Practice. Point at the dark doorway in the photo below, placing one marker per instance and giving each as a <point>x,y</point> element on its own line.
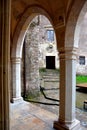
<point>50,62</point>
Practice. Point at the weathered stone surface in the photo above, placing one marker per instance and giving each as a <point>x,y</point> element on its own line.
<point>31,58</point>
<point>82,50</point>
<point>36,50</point>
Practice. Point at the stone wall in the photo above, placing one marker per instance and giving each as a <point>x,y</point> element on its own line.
<point>36,49</point>
<point>44,46</point>
<point>82,51</point>
<point>31,58</point>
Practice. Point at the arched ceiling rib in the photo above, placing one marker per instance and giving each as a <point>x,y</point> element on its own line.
<point>55,8</point>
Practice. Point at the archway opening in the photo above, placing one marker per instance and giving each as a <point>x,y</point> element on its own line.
<point>40,67</point>
<point>80,39</point>
<point>33,45</point>
<point>82,65</point>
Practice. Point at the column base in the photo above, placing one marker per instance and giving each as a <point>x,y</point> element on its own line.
<point>68,126</point>
<point>17,100</point>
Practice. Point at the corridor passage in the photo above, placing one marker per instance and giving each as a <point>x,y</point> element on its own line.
<point>26,116</point>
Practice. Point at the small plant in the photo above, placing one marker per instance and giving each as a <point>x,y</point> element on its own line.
<point>42,70</point>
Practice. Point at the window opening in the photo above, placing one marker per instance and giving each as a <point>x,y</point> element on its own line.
<point>50,35</point>
<point>82,60</point>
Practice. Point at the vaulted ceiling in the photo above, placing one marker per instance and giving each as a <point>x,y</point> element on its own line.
<point>55,9</point>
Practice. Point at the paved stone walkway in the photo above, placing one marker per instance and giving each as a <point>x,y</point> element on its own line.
<point>26,116</point>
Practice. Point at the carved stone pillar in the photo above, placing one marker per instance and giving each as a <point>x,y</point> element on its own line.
<point>67,91</point>
<point>16,79</point>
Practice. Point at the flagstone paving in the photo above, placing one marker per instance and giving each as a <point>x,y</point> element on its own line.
<point>27,116</point>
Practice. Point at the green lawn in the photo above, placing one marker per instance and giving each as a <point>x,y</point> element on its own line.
<point>81,79</point>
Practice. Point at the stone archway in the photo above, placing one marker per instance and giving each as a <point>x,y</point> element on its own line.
<point>73,22</point>
<point>78,24</point>
<point>80,39</point>
<point>67,54</point>
<point>67,62</point>
<point>16,52</point>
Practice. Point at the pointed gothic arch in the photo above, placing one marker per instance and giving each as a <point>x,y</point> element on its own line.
<point>16,51</point>
<point>22,27</point>
<point>76,14</point>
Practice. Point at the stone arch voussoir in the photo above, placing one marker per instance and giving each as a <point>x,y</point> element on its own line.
<point>72,28</point>
<point>22,27</point>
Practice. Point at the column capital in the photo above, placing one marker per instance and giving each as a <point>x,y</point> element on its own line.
<point>68,53</point>
<point>16,60</point>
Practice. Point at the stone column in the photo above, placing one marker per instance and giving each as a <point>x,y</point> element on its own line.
<point>67,91</point>
<point>16,79</point>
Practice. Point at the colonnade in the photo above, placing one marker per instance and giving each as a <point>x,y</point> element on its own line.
<point>67,58</point>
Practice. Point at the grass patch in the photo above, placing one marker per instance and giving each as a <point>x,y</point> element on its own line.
<point>81,79</point>
<point>42,69</point>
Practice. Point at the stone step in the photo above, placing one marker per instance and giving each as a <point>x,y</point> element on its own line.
<point>51,78</point>
<point>50,75</point>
